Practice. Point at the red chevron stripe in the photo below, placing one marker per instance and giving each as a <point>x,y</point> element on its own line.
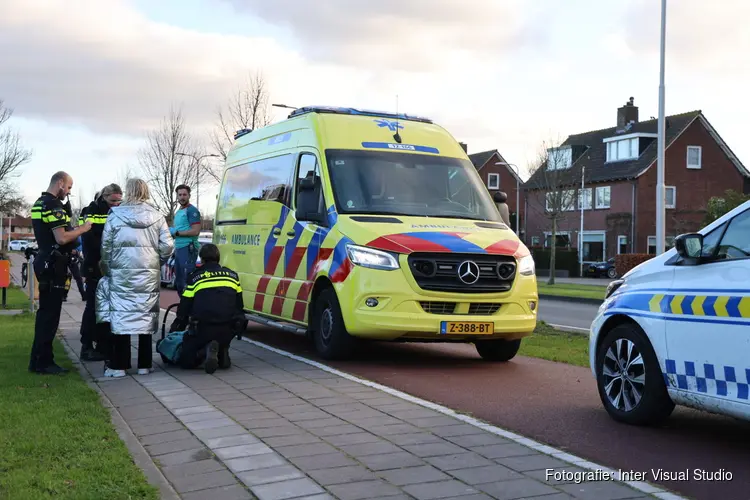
<point>300,310</point>
<point>280,296</point>
<point>323,255</point>
<point>383,243</point>
<point>417,244</point>
<point>260,292</point>
<point>342,272</point>
<point>294,262</point>
<point>273,260</point>
<point>503,247</point>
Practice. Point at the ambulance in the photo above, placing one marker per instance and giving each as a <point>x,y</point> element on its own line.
<point>675,330</point>
<point>349,225</point>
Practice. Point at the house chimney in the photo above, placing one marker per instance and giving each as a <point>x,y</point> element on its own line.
<point>463,145</point>
<point>627,114</point>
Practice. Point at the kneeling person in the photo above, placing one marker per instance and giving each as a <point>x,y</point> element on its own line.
<point>212,304</point>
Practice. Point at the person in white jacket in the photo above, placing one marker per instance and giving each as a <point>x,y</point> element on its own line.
<point>135,242</point>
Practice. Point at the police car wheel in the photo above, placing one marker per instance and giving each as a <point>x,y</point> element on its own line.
<point>630,382</point>
<point>498,350</point>
<point>612,273</point>
<point>332,341</point>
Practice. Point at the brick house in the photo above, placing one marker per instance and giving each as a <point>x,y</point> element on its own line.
<point>500,178</point>
<point>20,229</point>
<point>619,169</point>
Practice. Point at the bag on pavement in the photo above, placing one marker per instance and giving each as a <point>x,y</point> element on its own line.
<point>170,347</point>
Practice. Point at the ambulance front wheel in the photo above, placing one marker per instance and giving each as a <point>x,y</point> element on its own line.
<point>498,350</point>
<point>332,341</point>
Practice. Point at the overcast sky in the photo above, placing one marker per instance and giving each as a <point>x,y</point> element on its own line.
<point>88,78</point>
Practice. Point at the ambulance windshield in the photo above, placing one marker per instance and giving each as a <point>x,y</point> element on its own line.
<point>369,182</point>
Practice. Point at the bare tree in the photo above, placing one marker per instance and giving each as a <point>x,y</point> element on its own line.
<point>12,156</point>
<point>163,167</point>
<point>553,174</point>
<point>246,109</point>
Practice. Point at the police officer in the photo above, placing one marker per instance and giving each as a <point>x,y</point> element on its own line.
<point>212,301</point>
<point>49,222</point>
<point>91,331</point>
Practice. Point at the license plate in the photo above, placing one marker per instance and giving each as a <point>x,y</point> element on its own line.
<point>466,327</point>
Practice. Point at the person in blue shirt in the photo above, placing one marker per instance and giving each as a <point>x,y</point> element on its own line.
<point>185,231</point>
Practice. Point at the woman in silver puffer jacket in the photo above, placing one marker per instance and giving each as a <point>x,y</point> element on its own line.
<point>135,242</point>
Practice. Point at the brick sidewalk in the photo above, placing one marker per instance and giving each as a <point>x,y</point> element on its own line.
<point>274,428</point>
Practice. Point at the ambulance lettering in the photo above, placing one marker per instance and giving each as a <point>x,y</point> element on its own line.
<point>246,239</point>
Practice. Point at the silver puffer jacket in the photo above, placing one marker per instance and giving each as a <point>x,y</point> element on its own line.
<point>135,242</point>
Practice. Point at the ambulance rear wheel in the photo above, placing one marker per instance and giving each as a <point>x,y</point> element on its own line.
<point>498,350</point>
<point>332,341</point>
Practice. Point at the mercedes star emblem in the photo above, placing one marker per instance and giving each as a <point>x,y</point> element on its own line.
<point>468,272</point>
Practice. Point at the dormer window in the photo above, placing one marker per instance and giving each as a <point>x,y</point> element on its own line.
<point>559,158</point>
<point>626,147</point>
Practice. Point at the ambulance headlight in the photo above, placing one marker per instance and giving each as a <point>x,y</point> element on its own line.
<point>371,258</point>
<point>526,265</point>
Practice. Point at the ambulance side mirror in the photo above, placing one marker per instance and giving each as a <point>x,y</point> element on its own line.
<point>689,246</point>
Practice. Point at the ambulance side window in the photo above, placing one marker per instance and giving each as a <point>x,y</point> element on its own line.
<point>269,179</point>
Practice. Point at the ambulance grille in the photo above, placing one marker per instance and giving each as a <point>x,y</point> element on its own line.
<point>475,308</point>
<point>439,272</point>
<point>438,307</point>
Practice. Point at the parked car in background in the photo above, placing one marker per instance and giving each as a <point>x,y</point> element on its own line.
<point>18,245</point>
<point>167,269</point>
<point>602,269</point>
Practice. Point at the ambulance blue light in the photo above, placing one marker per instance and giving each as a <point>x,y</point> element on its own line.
<point>357,112</point>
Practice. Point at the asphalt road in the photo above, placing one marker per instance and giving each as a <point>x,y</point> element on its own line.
<point>553,403</point>
<point>568,314</point>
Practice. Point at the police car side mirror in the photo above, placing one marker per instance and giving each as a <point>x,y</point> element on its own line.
<point>689,246</point>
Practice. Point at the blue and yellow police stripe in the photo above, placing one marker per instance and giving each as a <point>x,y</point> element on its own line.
<point>684,304</point>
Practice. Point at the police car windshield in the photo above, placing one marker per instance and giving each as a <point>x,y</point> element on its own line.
<point>421,185</point>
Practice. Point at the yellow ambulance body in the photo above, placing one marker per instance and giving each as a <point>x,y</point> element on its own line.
<point>348,225</point>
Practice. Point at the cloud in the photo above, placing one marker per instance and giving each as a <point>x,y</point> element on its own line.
<point>412,35</point>
<point>105,66</point>
<point>697,34</point>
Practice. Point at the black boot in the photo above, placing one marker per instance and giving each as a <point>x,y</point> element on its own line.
<point>224,361</point>
<point>212,354</point>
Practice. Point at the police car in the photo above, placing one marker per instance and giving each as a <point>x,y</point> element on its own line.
<point>675,330</point>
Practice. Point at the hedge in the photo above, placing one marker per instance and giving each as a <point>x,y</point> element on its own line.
<point>565,259</point>
<point>624,262</point>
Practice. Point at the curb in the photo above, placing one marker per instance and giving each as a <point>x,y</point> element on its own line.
<point>594,302</point>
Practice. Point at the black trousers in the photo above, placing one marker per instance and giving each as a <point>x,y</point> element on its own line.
<point>75,270</point>
<point>120,352</point>
<point>91,331</point>
<point>45,328</point>
<point>194,343</point>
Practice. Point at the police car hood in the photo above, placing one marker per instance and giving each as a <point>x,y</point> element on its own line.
<point>405,235</point>
<point>138,216</point>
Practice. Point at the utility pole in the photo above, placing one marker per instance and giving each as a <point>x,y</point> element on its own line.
<point>660,201</point>
<point>582,199</point>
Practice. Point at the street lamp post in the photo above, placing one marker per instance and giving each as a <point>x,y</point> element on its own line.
<point>197,174</point>
<point>660,201</point>
<point>518,186</point>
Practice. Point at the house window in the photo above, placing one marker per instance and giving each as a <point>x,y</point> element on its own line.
<point>694,156</point>
<point>651,247</point>
<point>562,238</point>
<point>535,241</point>
<point>602,197</point>
<point>559,158</point>
<point>622,244</point>
<point>625,149</point>
<point>493,181</point>
<point>670,196</point>
<point>564,201</point>
<point>584,199</point>
<point>594,244</point>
